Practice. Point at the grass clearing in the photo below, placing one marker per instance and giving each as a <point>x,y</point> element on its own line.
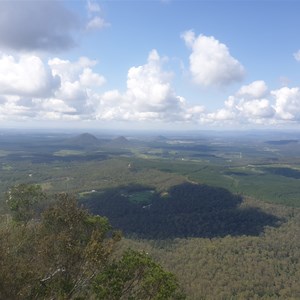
<point>68,152</point>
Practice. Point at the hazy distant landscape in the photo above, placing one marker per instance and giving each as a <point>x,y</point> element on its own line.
<point>265,166</point>
<point>215,208</point>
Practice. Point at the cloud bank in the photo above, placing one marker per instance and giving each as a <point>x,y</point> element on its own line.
<point>63,90</point>
<point>256,104</point>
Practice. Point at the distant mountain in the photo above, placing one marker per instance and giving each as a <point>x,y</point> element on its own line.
<point>84,140</point>
<point>282,142</point>
<point>120,142</point>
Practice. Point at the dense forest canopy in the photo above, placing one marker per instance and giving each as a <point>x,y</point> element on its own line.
<point>186,210</point>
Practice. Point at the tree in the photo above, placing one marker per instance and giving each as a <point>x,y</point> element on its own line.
<point>136,276</point>
<point>74,247</point>
<point>22,200</point>
<point>70,254</point>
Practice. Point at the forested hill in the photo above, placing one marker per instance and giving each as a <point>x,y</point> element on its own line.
<point>120,142</point>
<point>84,140</point>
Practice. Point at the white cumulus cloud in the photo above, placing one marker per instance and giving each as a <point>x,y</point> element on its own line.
<point>69,71</point>
<point>149,95</point>
<point>222,114</point>
<point>287,104</point>
<point>249,105</point>
<point>256,89</point>
<point>89,79</point>
<point>256,109</point>
<point>33,89</point>
<point>77,80</point>
<point>26,76</point>
<point>211,64</point>
<point>56,105</point>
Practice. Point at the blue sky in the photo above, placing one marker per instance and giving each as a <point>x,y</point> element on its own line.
<point>150,64</point>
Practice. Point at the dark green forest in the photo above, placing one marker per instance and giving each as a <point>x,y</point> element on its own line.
<point>186,210</point>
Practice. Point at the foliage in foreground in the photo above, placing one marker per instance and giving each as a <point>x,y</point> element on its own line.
<point>22,201</point>
<point>70,254</point>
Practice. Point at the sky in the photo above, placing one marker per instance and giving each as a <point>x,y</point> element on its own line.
<point>163,64</point>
